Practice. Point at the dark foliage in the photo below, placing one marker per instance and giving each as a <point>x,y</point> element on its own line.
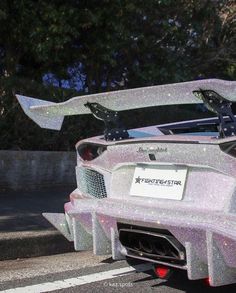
<point>94,46</point>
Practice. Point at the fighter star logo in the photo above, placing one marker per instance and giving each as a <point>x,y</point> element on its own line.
<point>138,180</point>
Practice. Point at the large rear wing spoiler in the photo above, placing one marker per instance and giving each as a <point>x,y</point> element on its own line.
<point>50,115</point>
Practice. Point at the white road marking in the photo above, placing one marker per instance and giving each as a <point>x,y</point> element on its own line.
<point>82,280</point>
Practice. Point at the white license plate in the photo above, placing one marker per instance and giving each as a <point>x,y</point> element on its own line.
<point>159,182</point>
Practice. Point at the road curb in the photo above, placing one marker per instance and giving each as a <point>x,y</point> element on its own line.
<point>30,244</point>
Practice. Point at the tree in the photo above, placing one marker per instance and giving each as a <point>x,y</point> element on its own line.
<point>127,44</point>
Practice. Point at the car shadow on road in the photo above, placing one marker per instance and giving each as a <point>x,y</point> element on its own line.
<point>179,281</point>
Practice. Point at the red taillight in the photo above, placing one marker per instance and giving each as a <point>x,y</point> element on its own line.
<point>229,148</point>
<point>207,281</point>
<point>162,272</point>
<point>89,152</point>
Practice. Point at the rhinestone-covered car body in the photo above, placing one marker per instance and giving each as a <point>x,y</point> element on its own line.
<point>159,196</point>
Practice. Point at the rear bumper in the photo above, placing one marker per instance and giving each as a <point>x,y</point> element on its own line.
<point>209,238</point>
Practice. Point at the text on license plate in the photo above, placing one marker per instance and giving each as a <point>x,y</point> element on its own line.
<point>159,182</point>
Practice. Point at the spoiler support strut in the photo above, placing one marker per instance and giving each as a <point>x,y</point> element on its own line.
<point>114,129</point>
<point>222,107</point>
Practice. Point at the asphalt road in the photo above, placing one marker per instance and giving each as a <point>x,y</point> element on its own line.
<point>22,211</point>
<point>84,272</point>
<point>24,232</point>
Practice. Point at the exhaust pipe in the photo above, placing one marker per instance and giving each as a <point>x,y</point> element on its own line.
<point>152,246</point>
<point>146,246</point>
<point>159,248</point>
<point>134,242</point>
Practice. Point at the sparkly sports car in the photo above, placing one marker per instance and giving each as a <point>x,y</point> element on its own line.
<point>163,194</point>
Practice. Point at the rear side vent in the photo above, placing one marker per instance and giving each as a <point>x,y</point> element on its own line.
<point>91,182</point>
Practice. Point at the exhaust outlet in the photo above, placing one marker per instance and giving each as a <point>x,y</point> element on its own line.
<point>152,245</point>
<point>159,248</point>
<point>146,246</point>
<point>134,242</point>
